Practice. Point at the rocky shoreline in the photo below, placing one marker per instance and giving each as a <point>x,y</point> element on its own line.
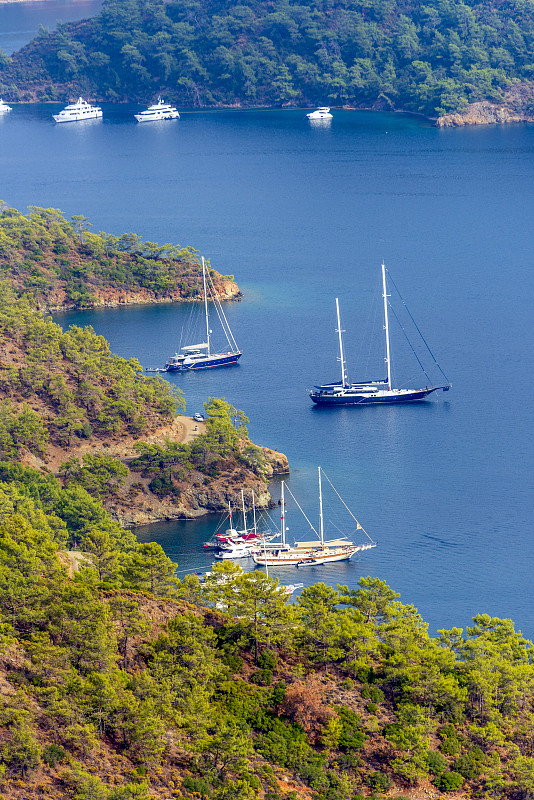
<point>517,106</point>
<point>115,298</point>
<point>134,504</point>
<point>197,501</point>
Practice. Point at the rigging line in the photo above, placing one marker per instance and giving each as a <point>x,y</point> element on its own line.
<point>409,343</point>
<point>301,511</point>
<point>367,350</point>
<point>220,311</point>
<point>189,331</point>
<point>360,527</point>
<point>226,518</point>
<point>339,530</point>
<point>416,326</point>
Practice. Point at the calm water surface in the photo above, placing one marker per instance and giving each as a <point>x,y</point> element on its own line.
<point>302,214</point>
<point>19,22</point>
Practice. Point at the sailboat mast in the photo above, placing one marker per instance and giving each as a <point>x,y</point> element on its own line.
<point>344,378</point>
<point>244,512</point>
<point>283,514</point>
<point>386,324</point>
<point>254,513</point>
<point>321,524</point>
<point>206,304</point>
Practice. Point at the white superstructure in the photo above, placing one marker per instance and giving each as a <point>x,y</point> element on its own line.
<point>379,391</point>
<point>159,110</point>
<point>4,108</point>
<point>320,113</point>
<point>315,552</point>
<point>78,111</point>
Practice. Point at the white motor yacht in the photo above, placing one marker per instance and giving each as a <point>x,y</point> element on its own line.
<point>159,110</point>
<point>320,113</point>
<point>234,550</point>
<point>78,111</point>
<point>4,108</point>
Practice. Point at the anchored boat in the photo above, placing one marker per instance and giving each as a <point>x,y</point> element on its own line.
<point>310,553</point>
<point>344,393</point>
<point>320,113</point>
<point>201,356</point>
<point>158,111</point>
<point>78,111</point>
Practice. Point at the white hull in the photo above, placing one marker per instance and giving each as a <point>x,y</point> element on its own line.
<point>320,113</point>
<point>159,111</point>
<point>78,112</point>
<point>238,551</point>
<point>77,117</point>
<point>4,108</point>
<point>300,558</point>
<point>156,117</point>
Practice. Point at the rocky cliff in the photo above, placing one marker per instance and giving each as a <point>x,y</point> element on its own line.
<point>517,106</point>
<point>111,297</point>
<point>135,504</point>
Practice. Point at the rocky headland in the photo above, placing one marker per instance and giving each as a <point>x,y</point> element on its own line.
<point>517,106</point>
<point>63,266</point>
<point>134,503</point>
<point>113,297</point>
<point>74,411</point>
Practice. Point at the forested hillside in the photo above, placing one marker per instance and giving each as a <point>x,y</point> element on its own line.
<point>432,57</point>
<point>120,682</point>
<point>72,408</point>
<point>62,264</point>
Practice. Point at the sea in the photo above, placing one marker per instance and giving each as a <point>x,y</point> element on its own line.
<point>302,214</point>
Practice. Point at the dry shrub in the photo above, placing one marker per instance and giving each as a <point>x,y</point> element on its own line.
<point>304,704</point>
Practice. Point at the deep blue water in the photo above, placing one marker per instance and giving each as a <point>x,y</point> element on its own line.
<point>302,215</point>
<point>19,22</point>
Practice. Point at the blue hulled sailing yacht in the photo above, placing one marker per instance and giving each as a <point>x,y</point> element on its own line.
<point>381,391</point>
<point>200,356</point>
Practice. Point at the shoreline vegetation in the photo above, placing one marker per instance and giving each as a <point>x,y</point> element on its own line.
<point>71,409</point>
<point>121,682</point>
<point>62,265</point>
<point>451,61</point>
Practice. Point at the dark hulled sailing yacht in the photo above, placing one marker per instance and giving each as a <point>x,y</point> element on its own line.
<point>201,356</point>
<point>344,393</point>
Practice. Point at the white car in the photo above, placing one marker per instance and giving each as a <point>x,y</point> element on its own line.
<point>198,418</point>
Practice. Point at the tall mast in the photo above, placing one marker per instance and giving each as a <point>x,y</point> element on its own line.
<point>344,378</point>
<point>321,525</point>
<point>244,512</point>
<point>254,513</point>
<point>206,304</point>
<point>386,323</point>
<point>283,514</point>
<point>262,538</point>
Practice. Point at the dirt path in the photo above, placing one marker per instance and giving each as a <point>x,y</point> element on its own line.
<point>191,428</point>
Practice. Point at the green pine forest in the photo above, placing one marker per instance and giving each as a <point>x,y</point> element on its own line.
<point>430,57</point>
<point>72,408</point>
<point>60,263</point>
<point>120,680</point>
